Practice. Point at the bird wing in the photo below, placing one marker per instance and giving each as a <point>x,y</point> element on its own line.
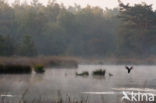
<point>131,68</point>
<point>127,67</point>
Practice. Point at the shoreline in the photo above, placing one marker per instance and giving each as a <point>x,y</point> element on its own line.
<point>63,60</point>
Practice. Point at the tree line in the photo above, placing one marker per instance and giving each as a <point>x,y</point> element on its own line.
<point>31,30</point>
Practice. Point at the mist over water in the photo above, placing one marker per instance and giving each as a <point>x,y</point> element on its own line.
<point>64,82</point>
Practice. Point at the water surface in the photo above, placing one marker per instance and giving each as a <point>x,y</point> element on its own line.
<point>63,82</point>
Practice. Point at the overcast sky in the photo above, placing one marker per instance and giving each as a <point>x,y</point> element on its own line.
<point>101,3</point>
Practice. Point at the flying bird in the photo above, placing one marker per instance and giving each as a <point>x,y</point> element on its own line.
<point>129,68</point>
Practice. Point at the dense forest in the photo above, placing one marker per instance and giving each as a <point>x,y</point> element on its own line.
<point>34,29</point>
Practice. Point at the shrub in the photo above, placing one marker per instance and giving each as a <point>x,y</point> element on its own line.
<point>39,68</point>
<point>99,72</point>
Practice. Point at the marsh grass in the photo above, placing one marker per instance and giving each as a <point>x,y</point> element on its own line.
<point>60,99</point>
<point>15,69</point>
<point>46,61</point>
<point>99,72</point>
<point>21,65</point>
<point>41,99</point>
<point>39,68</point>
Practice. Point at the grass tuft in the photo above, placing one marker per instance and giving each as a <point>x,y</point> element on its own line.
<point>39,68</point>
<point>99,72</point>
<point>15,69</point>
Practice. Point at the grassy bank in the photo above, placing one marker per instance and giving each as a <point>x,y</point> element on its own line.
<point>15,69</point>
<point>119,61</point>
<point>20,65</point>
<point>71,62</point>
<point>49,61</point>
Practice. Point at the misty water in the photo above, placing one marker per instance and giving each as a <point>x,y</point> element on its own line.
<point>64,83</point>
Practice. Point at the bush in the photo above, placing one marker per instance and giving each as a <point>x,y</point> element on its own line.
<point>99,72</point>
<point>39,68</point>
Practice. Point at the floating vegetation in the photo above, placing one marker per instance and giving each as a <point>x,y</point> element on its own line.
<point>85,73</point>
<point>99,72</point>
<point>15,69</point>
<point>39,68</point>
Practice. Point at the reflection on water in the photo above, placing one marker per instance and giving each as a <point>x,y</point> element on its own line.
<point>107,88</point>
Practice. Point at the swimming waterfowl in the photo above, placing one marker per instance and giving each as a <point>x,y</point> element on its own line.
<point>129,68</point>
<point>110,74</point>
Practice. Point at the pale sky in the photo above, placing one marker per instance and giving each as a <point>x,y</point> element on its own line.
<point>100,3</point>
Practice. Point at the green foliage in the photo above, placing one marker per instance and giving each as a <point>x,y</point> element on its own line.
<point>27,48</point>
<point>76,31</point>
<point>136,37</point>
<point>56,30</point>
<point>39,68</point>
<point>7,47</point>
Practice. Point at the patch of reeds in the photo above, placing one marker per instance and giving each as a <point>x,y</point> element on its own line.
<point>39,68</point>
<point>99,72</point>
<point>38,98</point>
<point>47,61</point>
<point>15,69</point>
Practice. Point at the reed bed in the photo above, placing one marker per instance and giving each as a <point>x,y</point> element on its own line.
<point>99,72</point>
<point>15,69</point>
<point>50,61</point>
<point>39,68</point>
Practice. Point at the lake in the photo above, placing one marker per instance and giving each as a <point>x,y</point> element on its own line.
<point>63,82</point>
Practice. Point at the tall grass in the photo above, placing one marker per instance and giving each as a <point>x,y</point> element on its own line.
<point>14,69</point>
<point>39,68</point>
<point>49,61</point>
<point>23,99</point>
<point>21,65</point>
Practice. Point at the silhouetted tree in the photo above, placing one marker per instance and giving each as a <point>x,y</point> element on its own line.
<point>136,31</point>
